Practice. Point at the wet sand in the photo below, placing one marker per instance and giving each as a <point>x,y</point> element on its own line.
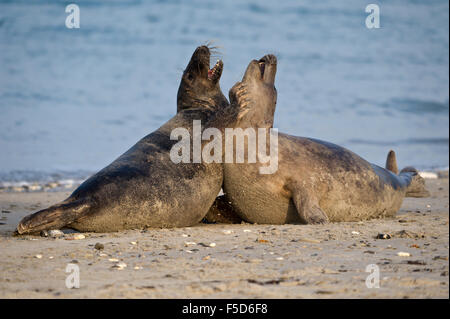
<point>234,261</point>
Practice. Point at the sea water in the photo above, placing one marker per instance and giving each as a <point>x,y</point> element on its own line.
<point>73,100</point>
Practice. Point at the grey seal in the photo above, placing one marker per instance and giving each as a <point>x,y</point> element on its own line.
<point>144,187</point>
<point>316,181</point>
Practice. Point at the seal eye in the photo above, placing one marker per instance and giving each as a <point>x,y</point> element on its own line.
<point>190,77</point>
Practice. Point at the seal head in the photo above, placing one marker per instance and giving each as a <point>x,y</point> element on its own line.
<point>199,87</point>
<point>256,94</point>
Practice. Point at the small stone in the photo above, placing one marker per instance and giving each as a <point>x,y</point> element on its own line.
<point>189,243</point>
<point>55,233</point>
<point>137,267</point>
<point>279,258</point>
<point>355,233</point>
<point>383,236</point>
<point>247,231</point>
<point>75,237</point>
<point>99,246</point>
<point>113,259</point>
<point>185,235</point>
<point>227,232</point>
<point>403,254</point>
<point>120,265</point>
<point>38,256</point>
<point>133,243</point>
<point>212,245</point>
<point>206,257</point>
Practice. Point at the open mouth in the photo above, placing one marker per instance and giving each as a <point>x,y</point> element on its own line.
<point>215,72</point>
<point>269,59</point>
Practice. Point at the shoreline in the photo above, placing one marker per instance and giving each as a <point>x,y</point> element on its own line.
<point>233,261</point>
<point>70,184</point>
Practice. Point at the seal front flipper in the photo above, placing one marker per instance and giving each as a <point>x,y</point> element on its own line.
<point>308,208</point>
<point>54,217</point>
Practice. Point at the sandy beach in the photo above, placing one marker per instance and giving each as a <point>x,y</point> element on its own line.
<point>233,261</point>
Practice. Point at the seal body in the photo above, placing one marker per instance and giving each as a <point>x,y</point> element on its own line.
<point>144,187</point>
<point>316,181</point>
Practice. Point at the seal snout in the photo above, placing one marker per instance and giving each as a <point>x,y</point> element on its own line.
<point>200,63</point>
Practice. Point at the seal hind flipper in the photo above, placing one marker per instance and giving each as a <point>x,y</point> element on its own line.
<point>416,187</point>
<point>391,162</point>
<point>54,217</point>
<point>223,212</point>
<point>308,208</point>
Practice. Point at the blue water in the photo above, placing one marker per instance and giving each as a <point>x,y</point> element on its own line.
<point>72,100</point>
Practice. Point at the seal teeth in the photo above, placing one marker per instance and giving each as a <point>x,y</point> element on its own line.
<point>212,73</point>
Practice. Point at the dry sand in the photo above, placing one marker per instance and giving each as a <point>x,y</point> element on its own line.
<point>247,261</point>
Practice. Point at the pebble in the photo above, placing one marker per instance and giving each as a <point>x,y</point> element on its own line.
<point>75,237</point>
<point>120,265</point>
<point>133,243</point>
<point>247,231</point>
<point>383,236</point>
<point>227,232</point>
<point>38,256</point>
<point>53,233</point>
<point>99,246</point>
<point>189,243</point>
<point>403,254</point>
<point>113,259</point>
<point>279,258</point>
<point>355,233</point>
